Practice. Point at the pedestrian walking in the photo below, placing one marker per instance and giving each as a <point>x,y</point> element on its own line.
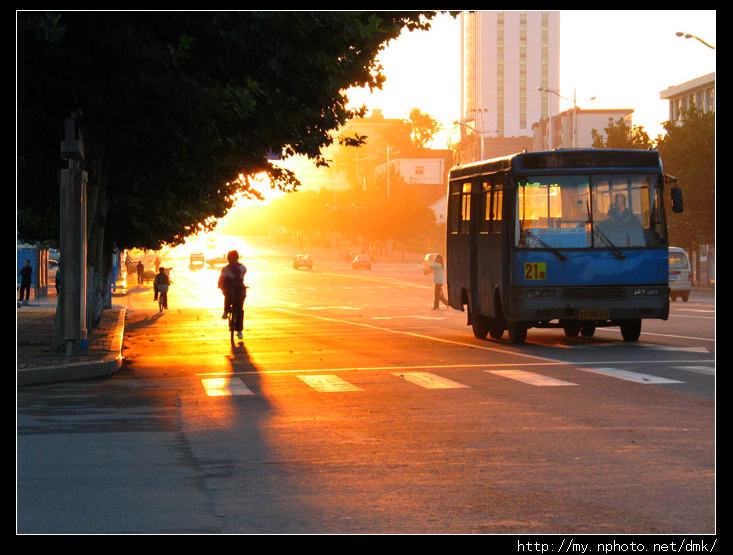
<point>438,280</point>
<point>26,273</point>
<point>140,272</point>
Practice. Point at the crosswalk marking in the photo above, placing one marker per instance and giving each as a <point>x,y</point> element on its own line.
<point>629,376</point>
<point>220,387</point>
<point>698,369</point>
<point>328,383</point>
<point>530,378</point>
<point>428,380</point>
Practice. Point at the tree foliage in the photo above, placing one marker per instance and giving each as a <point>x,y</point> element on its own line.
<point>620,135</point>
<point>178,109</point>
<point>423,127</point>
<point>688,153</point>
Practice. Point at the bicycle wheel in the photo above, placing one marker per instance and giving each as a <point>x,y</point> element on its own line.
<point>231,326</point>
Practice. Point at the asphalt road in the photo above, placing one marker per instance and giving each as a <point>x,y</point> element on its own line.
<point>352,407</point>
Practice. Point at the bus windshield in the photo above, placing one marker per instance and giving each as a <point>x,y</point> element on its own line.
<point>591,211</point>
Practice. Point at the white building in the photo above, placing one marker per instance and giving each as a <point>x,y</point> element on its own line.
<point>505,58</point>
<point>574,128</point>
<point>698,93</point>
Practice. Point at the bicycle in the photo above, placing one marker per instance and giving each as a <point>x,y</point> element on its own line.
<point>162,297</point>
<point>230,318</point>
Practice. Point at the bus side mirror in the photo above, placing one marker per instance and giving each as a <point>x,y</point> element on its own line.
<point>677,205</point>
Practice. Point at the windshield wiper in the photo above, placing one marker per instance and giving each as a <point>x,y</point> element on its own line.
<point>554,251</point>
<point>613,248</point>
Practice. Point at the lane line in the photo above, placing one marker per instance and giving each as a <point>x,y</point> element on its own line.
<point>698,369</point>
<point>530,378</point>
<point>419,335</point>
<point>629,376</point>
<point>661,335</point>
<point>222,387</point>
<point>328,383</point>
<point>446,367</point>
<point>428,380</point>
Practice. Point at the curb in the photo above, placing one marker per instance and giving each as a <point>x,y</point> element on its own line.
<point>107,366</point>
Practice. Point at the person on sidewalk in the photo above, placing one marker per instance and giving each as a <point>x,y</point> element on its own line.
<point>26,273</point>
<point>438,280</point>
<point>140,272</point>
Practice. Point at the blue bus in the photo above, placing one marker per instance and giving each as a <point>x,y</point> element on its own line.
<point>571,238</point>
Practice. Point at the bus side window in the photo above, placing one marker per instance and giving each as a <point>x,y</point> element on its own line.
<point>485,206</point>
<point>498,206</point>
<point>454,208</point>
<point>466,208</point>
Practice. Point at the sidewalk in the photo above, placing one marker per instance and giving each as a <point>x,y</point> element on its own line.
<point>37,363</point>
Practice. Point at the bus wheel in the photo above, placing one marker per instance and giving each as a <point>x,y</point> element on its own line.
<point>496,330</point>
<point>571,330</point>
<point>588,330</point>
<point>517,332</point>
<point>480,326</point>
<point>685,296</point>
<point>631,329</point>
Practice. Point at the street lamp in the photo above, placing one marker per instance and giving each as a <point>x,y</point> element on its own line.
<point>690,36</point>
<point>575,109</point>
<point>480,133</point>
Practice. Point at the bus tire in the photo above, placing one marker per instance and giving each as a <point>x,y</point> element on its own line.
<point>517,332</point>
<point>496,330</point>
<point>588,330</point>
<point>480,326</point>
<point>571,330</point>
<point>685,296</point>
<point>631,329</point>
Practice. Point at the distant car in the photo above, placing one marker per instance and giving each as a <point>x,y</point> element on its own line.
<point>303,261</point>
<point>217,261</point>
<point>427,261</point>
<point>361,261</point>
<point>680,281</point>
<point>52,264</point>
<point>196,260</point>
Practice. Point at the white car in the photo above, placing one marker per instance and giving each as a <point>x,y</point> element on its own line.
<point>680,281</point>
<point>361,261</point>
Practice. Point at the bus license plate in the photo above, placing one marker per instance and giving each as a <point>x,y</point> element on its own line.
<point>593,314</point>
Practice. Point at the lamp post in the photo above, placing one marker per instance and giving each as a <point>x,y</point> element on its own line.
<point>575,109</point>
<point>691,36</point>
<point>480,133</point>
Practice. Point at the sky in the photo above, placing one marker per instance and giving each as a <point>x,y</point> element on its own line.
<point>623,58</point>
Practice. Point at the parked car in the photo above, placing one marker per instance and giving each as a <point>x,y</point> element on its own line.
<point>680,281</point>
<point>427,261</point>
<point>303,261</point>
<point>196,261</point>
<point>361,261</point>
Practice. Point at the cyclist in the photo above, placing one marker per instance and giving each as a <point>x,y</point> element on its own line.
<point>160,285</point>
<point>231,283</point>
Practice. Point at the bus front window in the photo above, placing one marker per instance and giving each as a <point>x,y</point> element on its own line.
<point>627,210</point>
<point>553,210</point>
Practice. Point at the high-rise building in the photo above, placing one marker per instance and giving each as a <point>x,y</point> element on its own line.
<point>505,58</point>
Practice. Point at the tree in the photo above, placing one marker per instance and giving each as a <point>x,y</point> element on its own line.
<point>619,135</point>
<point>688,153</point>
<point>423,127</point>
<point>179,109</point>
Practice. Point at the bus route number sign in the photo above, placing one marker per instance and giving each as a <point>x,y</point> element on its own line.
<point>535,270</point>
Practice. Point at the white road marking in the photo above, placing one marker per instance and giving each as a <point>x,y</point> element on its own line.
<point>698,369</point>
<point>428,380</point>
<point>629,376</point>
<point>328,383</point>
<point>331,308</point>
<point>660,334</point>
<point>530,378</point>
<point>415,317</point>
<point>695,310</point>
<point>219,387</point>
<point>447,367</point>
<point>669,348</point>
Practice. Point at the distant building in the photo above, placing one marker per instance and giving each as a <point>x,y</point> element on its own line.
<point>424,170</point>
<point>698,93</point>
<point>505,58</point>
<point>573,128</point>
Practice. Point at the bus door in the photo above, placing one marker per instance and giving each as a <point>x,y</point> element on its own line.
<point>489,258</point>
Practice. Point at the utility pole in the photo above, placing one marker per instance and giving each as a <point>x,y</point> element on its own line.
<point>73,239</point>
